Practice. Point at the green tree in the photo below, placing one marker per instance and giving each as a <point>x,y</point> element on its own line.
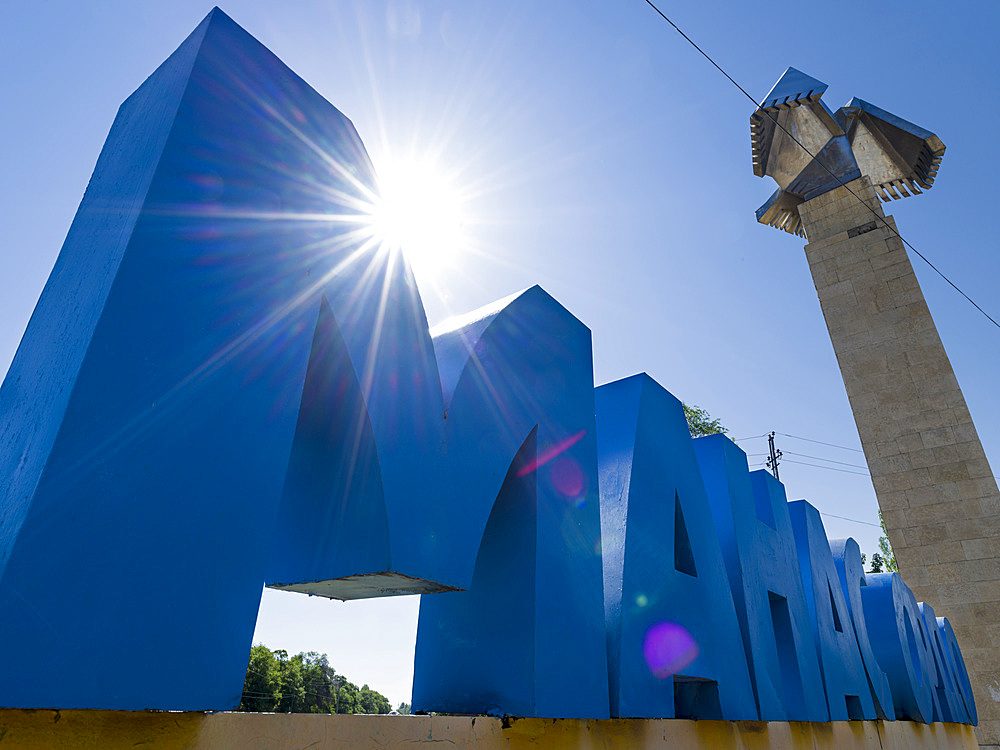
<point>320,681</point>
<point>292,684</point>
<point>372,702</point>
<point>304,683</point>
<point>261,689</point>
<point>700,422</point>
<point>349,703</point>
<point>404,708</point>
<point>885,547</point>
<point>883,561</point>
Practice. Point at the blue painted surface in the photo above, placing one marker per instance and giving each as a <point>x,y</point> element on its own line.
<point>144,468</point>
<point>954,656</point>
<point>948,703</point>
<point>226,382</point>
<point>751,515</point>
<point>846,685</point>
<point>486,635</point>
<point>525,374</point>
<point>674,645</point>
<point>850,570</point>
<point>899,643</point>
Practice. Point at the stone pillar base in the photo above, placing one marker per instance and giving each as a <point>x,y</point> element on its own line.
<point>934,485</point>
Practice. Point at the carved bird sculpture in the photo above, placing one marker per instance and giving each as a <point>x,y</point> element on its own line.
<point>809,150</point>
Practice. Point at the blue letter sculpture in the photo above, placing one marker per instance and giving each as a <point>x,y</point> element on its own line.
<point>757,543</point>
<point>953,656</point>
<point>520,371</point>
<point>229,381</point>
<point>847,693</point>
<point>850,570</point>
<point>674,640</point>
<point>949,704</point>
<point>901,644</point>
<point>149,412</point>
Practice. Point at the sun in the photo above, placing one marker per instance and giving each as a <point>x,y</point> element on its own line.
<point>420,213</point>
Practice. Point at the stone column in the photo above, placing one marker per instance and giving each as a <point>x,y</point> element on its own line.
<point>934,485</point>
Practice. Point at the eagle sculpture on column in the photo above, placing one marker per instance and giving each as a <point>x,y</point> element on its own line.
<point>900,158</point>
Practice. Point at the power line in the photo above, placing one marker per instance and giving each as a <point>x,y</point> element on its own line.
<point>828,460</point>
<point>852,520</point>
<point>820,442</point>
<point>822,164</point>
<point>828,468</point>
<point>705,55</point>
<point>796,437</point>
<point>760,465</point>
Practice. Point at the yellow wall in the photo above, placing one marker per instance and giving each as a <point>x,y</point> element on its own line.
<point>108,730</point>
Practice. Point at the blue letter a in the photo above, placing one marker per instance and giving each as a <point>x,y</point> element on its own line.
<point>674,647</point>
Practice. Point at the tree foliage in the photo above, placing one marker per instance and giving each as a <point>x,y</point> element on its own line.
<point>700,422</point>
<point>886,548</point>
<point>883,561</point>
<point>304,683</point>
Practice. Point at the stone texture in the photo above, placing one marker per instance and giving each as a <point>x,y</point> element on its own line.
<point>933,482</point>
<point>170,730</point>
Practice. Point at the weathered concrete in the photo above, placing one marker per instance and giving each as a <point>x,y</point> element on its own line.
<point>934,485</point>
<point>110,730</point>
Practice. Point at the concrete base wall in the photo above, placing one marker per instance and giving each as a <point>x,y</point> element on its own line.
<point>109,730</point>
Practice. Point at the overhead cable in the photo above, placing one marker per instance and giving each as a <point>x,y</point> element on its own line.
<point>773,119</point>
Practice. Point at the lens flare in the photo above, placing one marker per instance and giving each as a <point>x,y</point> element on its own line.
<point>567,477</point>
<point>419,212</point>
<point>552,452</point>
<point>668,648</point>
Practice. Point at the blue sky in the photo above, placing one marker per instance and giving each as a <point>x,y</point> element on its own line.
<point>602,158</point>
